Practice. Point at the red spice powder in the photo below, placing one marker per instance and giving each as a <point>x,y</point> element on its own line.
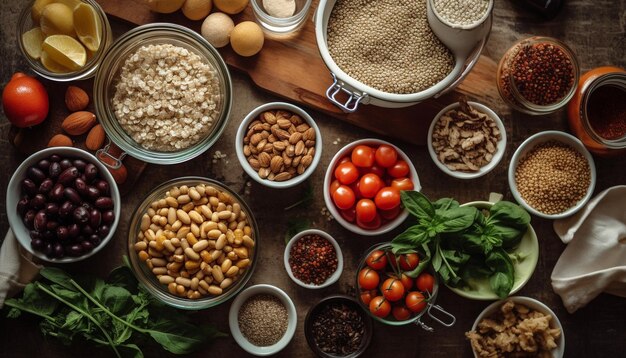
<point>606,111</point>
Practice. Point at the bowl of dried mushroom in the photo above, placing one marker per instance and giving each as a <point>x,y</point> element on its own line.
<point>278,145</point>
<point>466,140</point>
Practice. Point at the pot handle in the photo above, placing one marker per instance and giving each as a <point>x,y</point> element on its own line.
<point>354,99</point>
<point>104,152</point>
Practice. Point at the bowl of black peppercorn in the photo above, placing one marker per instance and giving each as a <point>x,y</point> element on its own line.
<point>337,326</point>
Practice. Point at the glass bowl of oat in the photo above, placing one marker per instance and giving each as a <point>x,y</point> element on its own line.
<point>163,93</point>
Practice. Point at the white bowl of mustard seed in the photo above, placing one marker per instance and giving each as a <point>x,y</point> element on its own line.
<point>552,175</point>
<point>262,320</point>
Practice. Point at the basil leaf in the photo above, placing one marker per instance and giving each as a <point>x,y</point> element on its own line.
<point>57,276</point>
<point>181,338</point>
<point>423,264</point>
<point>417,204</point>
<point>501,284</point>
<point>456,219</point>
<point>117,299</point>
<point>123,277</point>
<point>502,280</point>
<point>437,260</point>
<point>445,204</point>
<point>412,237</point>
<point>509,214</point>
<point>33,301</point>
<point>509,236</point>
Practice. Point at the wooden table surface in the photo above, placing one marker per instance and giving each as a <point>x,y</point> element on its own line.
<point>595,30</point>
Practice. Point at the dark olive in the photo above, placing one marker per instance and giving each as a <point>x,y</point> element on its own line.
<point>52,225</point>
<point>35,174</point>
<point>66,209</point>
<point>72,195</point>
<point>58,251</point>
<point>63,234</point>
<point>108,217</point>
<point>79,164</point>
<point>48,249</point>
<point>74,250</point>
<point>55,170</point>
<point>73,230</point>
<point>81,186</point>
<point>81,215</point>
<point>49,235</point>
<point>43,164</point>
<point>34,234</point>
<point>91,172</point>
<point>104,202</point>
<point>65,163</point>
<point>93,193</point>
<point>103,231</point>
<point>37,244</point>
<point>95,240</point>
<point>87,230</point>
<point>29,217</point>
<point>87,245</point>
<point>56,194</point>
<point>29,187</point>
<point>38,202</point>
<point>46,186</point>
<point>95,217</point>
<point>22,205</point>
<point>55,158</point>
<point>40,221</point>
<point>103,186</point>
<point>52,208</point>
<point>68,175</point>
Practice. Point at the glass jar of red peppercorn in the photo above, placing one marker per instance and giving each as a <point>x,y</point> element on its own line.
<point>597,113</point>
<point>538,75</point>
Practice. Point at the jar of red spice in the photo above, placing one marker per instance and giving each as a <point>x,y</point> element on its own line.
<point>538,75</point>
<point>597,112</point>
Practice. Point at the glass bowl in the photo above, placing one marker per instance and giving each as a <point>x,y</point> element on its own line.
<point>25,23</point>
<point>150,281</point>
<point>278,26</point>
<point>111,68</point>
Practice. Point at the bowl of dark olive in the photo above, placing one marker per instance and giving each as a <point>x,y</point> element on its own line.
<point>338,327</point>
<point>62,204</point>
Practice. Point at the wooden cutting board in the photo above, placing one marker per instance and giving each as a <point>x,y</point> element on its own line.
<point>292,68</point>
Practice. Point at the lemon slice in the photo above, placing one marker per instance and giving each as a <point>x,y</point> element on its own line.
<point>69,3</point>
<point>87,26</point>
<point>37,9</point>
<point>66,51</point>
<point>32,40</point>
<point>51,65</point>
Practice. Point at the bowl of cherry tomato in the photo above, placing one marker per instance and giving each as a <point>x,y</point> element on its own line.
<point>363,183</point>
<point>398,289</point>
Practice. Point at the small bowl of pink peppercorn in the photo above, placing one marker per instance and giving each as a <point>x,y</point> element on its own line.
<point>313,259</point>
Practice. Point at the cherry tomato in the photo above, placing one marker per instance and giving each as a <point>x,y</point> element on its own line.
<point>415,301</point>
<point>387,198</point>
<point>377,260</point>
<point>386,156</point>
<point>407,282</point>
<point>380,307</point>
<point>363,156</point>
<point>368,279</point>
<point>346,173</point>
<point>366,296</point>
<point>425,282</point>
<point>365,210</point>
<point>343,197</point>
<point>345,159</point>
<point>402,184</point>
<point>390,214</point>
<point>372,225</point>
<point>401,313</point>
<point>393,289</point>
<point>25,101</point>
<point>348,214</point>
<point>333,186</point>
<point>399,169</point>
<point>374,169</point>
<point>369,185</point>
<point>409,262</point>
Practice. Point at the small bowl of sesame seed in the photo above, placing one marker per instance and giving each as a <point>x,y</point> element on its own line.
<point>552,175</point>
<point>313,259</point>
<point>262,320</point>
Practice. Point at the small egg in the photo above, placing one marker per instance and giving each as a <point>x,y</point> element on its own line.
<point>247,39</point>
<point>197,9</point>
<point>217,29</point>
<point>231,6</point>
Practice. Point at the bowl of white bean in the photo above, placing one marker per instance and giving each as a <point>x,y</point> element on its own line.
<point>162,93</point>
<point>193,243</point>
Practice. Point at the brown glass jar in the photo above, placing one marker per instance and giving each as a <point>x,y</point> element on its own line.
<point>597,112</point>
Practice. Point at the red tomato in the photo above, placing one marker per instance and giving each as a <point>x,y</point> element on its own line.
<point>409,262</point>
<point>401,313</point>
<point>369,185</point>
<point>346,173</point>
<point>393,289</point>
<point>343,197</point>
<point>363,156</point>
<point>334,185</point>
<point>390,214</point>
<point>399,169</point>
<point>407,282</point>
<point>372,225</point>
<point>380,307</point>
<point>345,159</point>
<point>368,279</point>
<point>415,301</point>
<point>356,188</point>
<point>402,184</point>
<point>366,296</point>
<point>365,210</point>
<point>425,282</point>
<point>386,156</point>
<point>25,101</point>
<point>377,260</point>
<point>374,169</point>
<point>348,214</point>
<point>387,198</point>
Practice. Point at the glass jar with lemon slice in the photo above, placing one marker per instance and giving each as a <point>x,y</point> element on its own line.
<point>64,40</point>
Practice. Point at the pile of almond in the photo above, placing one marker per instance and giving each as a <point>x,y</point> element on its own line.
<point>279,145</point>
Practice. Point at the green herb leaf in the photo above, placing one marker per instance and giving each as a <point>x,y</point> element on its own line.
<point>502,280</point>
<point>423,264</point>
<point>57,276</point>
<point>509,214</point>
<point>445,204</point>
<point>417,204</point>
<point>454,220</point>
<point>123,277</point>
<point>411,238</point>
<point>509,236</point>
<point>117,299</point>
<point>501,284</point>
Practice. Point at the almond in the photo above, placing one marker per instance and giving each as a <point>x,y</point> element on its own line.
<point>76,99</point>
<point>79,123</point>
<point>95,138</point>
<point>60,140</point>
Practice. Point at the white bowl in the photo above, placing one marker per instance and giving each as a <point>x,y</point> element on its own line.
<point>333,278</point>
<point>14,193</point>
<point>329,178</point>
<point>483,170</point>
<point>233,322</point>
<point>531,143</point>
<point>534,305</point>
<point>243,129</point>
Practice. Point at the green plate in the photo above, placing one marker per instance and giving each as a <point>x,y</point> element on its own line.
<point>528,248</point>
